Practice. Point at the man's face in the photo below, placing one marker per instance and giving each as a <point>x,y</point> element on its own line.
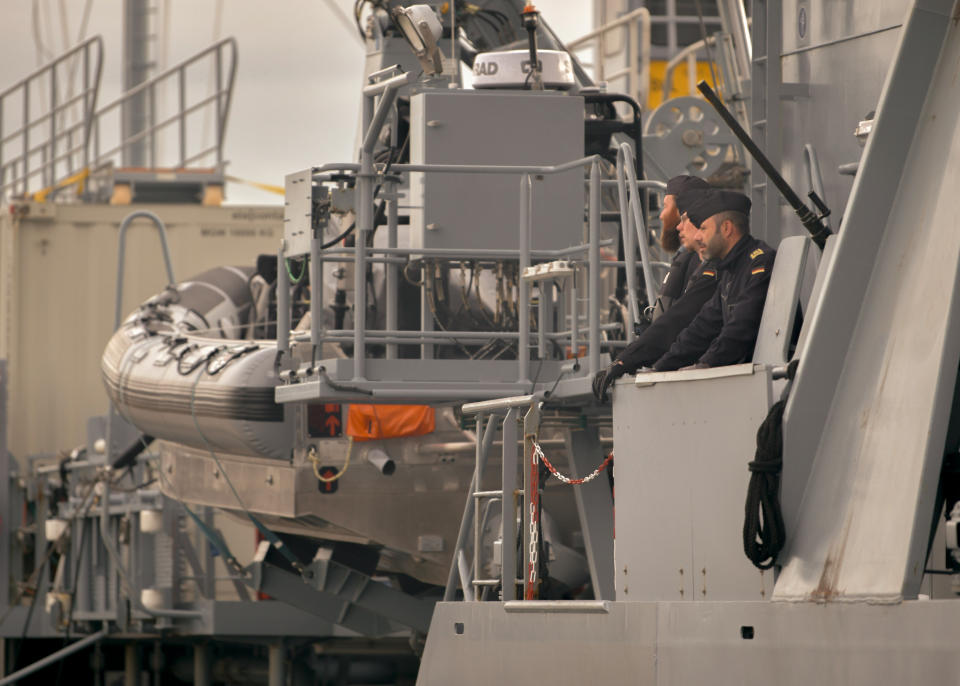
<point>712,238</point>
<point>669,215</point>
<point>688,234</point>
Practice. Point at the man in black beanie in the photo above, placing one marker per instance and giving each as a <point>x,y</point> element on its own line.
<point>725,330</point>
<point>686,262</point>
<point>657,338</point>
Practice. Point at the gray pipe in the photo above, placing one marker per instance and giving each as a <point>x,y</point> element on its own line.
<point>393,273</point>
<point>593,257</point>
<point>316,294</point>
<point>275,666</point>
<point>629,247</point>
<point>523,290</point>
<point>638,223</point>
<point>121,252</point>
<point>53,657</point>
<point>283,301</point>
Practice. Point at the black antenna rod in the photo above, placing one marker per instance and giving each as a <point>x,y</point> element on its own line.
<point>810,220</point>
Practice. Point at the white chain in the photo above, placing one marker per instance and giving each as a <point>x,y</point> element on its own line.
<point>532,577</point>
<point>532,565</point>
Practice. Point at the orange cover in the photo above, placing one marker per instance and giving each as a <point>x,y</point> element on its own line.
<point>373,422</point>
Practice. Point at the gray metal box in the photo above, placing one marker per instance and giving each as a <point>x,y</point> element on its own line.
<point>466,211</point>
<point>683,441</point>
<point>297,212</point>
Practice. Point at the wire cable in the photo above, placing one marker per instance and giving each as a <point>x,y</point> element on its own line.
<point>294,280</point>
<point>706,43</point>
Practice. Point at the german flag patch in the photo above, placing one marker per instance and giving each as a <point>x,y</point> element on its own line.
<point>709,272</point>
<point>758,270</point>
<point>756,253</point>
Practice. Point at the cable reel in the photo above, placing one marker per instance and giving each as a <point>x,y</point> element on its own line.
<point>686,136</point>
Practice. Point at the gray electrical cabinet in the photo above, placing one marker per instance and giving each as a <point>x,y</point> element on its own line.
<point>467,211</point>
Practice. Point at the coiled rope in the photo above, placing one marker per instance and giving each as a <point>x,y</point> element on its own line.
<point>764,533</point>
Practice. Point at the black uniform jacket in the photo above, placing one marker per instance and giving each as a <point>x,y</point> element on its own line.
<point>685,265</point>
<point>656,339</point>
<point>725,330</point>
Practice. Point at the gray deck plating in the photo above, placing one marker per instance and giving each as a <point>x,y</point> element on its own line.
<point>667,643</point>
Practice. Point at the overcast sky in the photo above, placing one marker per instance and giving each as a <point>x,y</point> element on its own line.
<point>299,69</point>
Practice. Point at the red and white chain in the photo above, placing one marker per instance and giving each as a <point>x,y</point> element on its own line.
<point>538,455</point>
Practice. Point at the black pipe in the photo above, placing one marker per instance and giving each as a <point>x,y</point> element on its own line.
<point>127,458</point>
<point>531,20</point>
<point>810,220</point>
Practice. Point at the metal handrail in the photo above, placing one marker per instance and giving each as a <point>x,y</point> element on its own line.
<point>632,215</point>
<point>83,138</point>
<point>222,97</point>
<point>524,255</point>
<point>19,166</point>
<point>586,256</point>
<point>688,55</point>
<point>636,71</point>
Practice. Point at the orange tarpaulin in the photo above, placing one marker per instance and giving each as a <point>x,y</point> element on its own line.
<point>373,422</point>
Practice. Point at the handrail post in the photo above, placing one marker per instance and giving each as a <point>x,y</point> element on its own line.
<point>523,287</point>
<point>317,328</point>
<point>629,245</point>
<point>593,290</point>
<point>26,138</point>
<point>219,76</point>
<point>374,117</point>
<point>531,426</point>
<point>645,57</point>
<point>574,319</point>
<point>153,123</point>
<point>638,222</point>
<point>181,79</point>
<point>508,518</point>
<point>393,275</point>
<point>51,170</point>
<point>633,77</point>
<point>87,110</point>
<point>283,301</point>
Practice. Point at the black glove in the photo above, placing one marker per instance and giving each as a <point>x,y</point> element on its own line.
<point>603,380</point>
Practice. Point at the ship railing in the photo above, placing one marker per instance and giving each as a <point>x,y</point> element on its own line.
<point>182,119</point>
<point>37,144</point>
<point>537,268</point>
<point>489,414</point>
<point>634,53</point>
<point>44,154</point>
<point>438,382</point>
<point>735,81</point>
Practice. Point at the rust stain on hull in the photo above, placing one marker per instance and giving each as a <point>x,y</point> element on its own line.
<point>827,589</point>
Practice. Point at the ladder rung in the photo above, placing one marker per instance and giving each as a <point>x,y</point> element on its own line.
<point>488,494</point>
<point>486,582</point>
